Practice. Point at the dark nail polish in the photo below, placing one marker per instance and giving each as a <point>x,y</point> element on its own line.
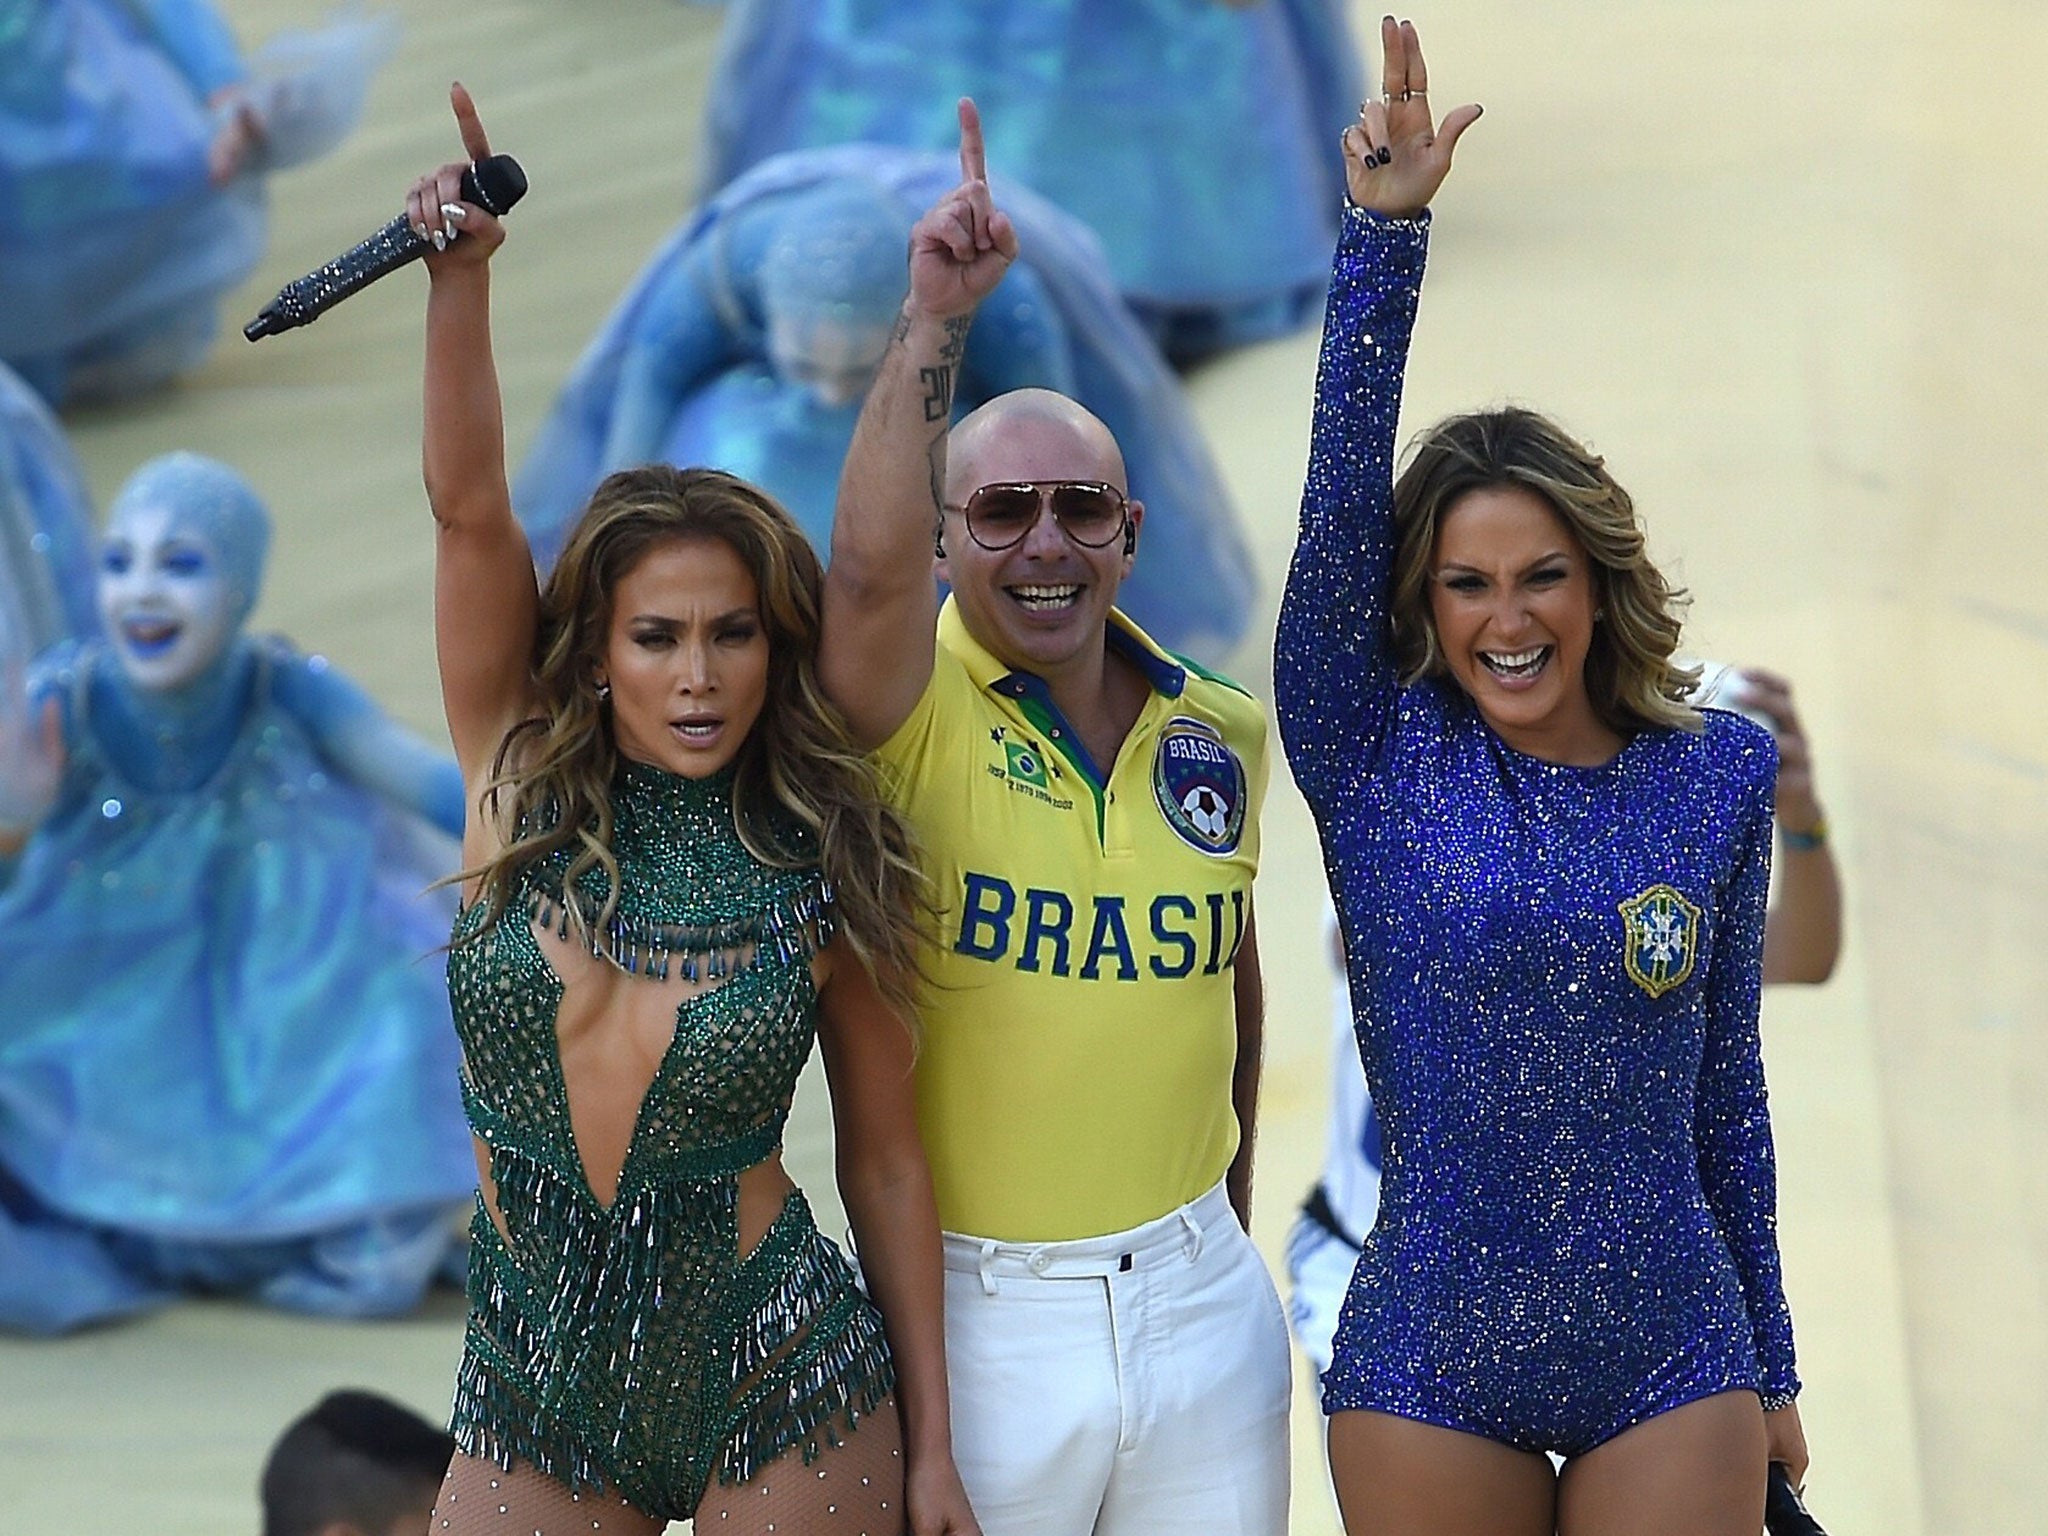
<point>1386,155</point>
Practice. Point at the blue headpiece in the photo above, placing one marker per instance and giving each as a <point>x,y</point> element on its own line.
<point>211,501</point>
<point>838,255</point>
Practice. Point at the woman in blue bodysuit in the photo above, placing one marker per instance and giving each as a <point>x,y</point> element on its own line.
<point>1188,134</point>
<point>225,1060</point>
<point>748,340</point>
<point>1551,876</point>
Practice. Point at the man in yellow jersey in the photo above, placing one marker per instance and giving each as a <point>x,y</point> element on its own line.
<point>1088,1072</point>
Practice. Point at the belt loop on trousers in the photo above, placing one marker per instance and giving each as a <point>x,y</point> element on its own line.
<point>1191,1242</point>
<point>988,1270</point>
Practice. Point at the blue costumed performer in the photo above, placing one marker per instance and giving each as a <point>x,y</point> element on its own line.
<point>134,140</point>
<point>226,1060</point>
<point>1551,873</point>
<point>1191,135</point>
<point>749,339</point>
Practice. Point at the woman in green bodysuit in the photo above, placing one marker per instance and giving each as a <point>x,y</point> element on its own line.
<point>678,872</point>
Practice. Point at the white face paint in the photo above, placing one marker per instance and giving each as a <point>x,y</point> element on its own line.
<point>834,361</point>
<point>165,598</point>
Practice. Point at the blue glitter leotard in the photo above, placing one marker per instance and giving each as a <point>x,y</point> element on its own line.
<point>1555,973</point>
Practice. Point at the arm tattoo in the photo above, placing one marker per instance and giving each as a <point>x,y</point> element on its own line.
<point>938,381</point>
<point>956,338</point>
<point>938,391</point>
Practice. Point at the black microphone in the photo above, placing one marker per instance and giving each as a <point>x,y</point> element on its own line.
<point>494,185</point>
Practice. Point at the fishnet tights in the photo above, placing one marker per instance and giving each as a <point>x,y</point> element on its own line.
<point>852,1489</point>
<point>480,1498</point>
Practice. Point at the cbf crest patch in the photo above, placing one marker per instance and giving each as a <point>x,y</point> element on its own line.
<point>1200,786</point>
<point>1662,938</point>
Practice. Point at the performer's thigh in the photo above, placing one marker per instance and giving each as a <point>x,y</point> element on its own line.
<point>852,1489</point>
<point>1401,1477</point>
<point>1698,1470</point>
<point>1032,1372</point>
<point>480,1498</point>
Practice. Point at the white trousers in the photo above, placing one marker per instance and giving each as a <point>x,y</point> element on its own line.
<point>1123,1385</point>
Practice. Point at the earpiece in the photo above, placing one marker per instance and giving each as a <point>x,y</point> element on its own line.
<point>1130,538</point>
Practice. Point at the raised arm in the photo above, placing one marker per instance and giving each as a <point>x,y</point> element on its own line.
<point>32,753</point>
<point>1331,659</point>
<point>1803,933</point>
<point>486,600</point>
<point>875,656</point>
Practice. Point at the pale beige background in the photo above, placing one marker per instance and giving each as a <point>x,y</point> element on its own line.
<point>1782,263</point>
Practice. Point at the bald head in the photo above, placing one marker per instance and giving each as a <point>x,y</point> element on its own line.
<point>1030,434</point>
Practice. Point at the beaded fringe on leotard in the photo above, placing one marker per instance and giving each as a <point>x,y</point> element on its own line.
<point>795,1359</point>
<point>794,928</point>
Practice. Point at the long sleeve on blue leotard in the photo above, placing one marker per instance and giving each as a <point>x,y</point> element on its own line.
<point>1732,1122</point>
<point>1334,679</point>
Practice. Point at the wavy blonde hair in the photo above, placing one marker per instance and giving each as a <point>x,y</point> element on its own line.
<point>550,783</point>
<point>1631,678</point>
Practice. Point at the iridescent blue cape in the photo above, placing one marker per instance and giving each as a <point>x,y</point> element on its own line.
<point>226,1058</point>
<point>1197,139</point>
<point>45,525</point>
<point>1055,322</point>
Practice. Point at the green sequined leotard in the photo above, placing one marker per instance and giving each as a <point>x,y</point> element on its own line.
<point>630,1348</point>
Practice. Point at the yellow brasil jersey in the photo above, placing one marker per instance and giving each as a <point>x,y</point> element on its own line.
<point>1080,1034</point>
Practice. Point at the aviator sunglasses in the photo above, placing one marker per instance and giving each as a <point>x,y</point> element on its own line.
<point>1089,512</point>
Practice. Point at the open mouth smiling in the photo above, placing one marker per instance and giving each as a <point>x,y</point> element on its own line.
<point>1517,666</point>
<point>1045,599</point>
<point>150,637</point>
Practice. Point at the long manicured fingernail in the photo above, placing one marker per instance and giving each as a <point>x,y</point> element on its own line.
<point>454,211</point>
<point>440,241</point>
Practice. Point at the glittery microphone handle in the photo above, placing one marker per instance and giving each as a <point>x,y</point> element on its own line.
<point>494,184</point>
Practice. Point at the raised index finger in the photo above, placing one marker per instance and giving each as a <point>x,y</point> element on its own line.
<point>973,156</point>
<point>475,142</point>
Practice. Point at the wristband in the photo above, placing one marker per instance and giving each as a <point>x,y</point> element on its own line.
<point>1805,842</point>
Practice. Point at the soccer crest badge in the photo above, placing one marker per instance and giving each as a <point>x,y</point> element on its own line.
<point>1200,786</point>
<point>1661,938</point>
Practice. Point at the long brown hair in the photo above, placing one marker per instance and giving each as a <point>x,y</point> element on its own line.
<point>550,782</point>
<point>1631,679</point>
